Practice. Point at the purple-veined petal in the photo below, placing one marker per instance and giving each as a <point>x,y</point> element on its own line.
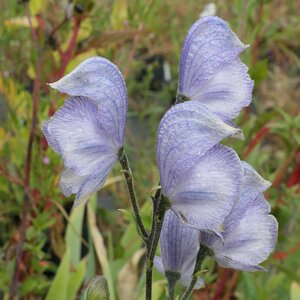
<point>75,131</point>
<point>250,233</point>
<point>159,265</point>
<point>206,195</point>
<point>179,246</point>
<point>186,280</point>
<point>100,80</point>
<point>227,92</point>
<point>185,133</point>
<point>70,182</point>
<point>210,70</point>
<point>253,182</point>
<point>82,186</point>
<point>250,241</point>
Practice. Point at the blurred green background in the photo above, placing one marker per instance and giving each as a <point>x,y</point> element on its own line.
<point>49,251</point>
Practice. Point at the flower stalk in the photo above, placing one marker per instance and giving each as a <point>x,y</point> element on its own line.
<point>202,254</point>
<point>161,205</point>
<point>123,159</point>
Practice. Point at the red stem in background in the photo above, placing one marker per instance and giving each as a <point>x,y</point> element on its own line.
<point>295,176</point>
<point>260,135</point>
<point>221,284</point>
<point>68,54</point>
<point>25,219</point>
<point>132,51</point>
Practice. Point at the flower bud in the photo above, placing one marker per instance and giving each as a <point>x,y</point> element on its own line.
<point>97,289</point>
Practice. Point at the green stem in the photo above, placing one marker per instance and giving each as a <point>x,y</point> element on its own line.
<point>180,98</point>
<point>202,253</point>
<point>172,278</point>
<point>189,289</point>
<point>157,222</point>
<point>132,195</point>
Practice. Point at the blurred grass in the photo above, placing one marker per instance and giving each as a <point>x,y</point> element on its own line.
<point>144,39</point>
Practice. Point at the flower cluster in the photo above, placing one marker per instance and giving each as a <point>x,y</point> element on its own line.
<point>216,200</point>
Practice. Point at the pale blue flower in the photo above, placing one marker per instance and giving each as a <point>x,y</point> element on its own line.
<point>211,71</point>
<point>250,232</point>
<point>179,246</point>
<point>201,178</point>
<point>88,130</point>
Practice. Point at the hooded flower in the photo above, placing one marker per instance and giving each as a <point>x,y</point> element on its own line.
<point>179,246</point>
<point>88,130</point>
<point>250,232</point>
<point>211,71</point>
<point>200,178</point>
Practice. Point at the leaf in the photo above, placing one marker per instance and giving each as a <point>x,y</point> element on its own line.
<point>59,286</point>
<point>76,280</point>
<point>73,235</point>
<point>295,291</point>
<point>100,250</point>
<point>119,14</point>
<point>128,277</point>
<point>37,6</point>
<point>20,22</point>
<point>158,288</point>
<point>131,241</point>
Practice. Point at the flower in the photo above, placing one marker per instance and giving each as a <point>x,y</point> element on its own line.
<point>211,71</point>
<point>201,178</point>
<point>250,232</point>
<point>179,246</point>
<point>88,130</point>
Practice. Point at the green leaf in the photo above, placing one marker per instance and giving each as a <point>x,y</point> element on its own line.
<point>100,249</point>
<point>59,286</point>
<point>73,235</point>
<point>295,291</point>
<point>76,280</point>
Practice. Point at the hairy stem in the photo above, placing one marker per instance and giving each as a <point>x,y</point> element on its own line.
<point>157,222</point>
<point>132,195</point>
<point>202,253</point>
<point>189,289</point>
<point>172,278</point>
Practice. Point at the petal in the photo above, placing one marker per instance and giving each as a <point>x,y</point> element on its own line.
<point>253,182</point>
<point>226,262</point>
<point>227,92</point>
<point>82,186</point>
<point>159,265</point>
<point>209,45</point>
<point>70,182</point>
<point>185,133</point>
<point>91,185</point>
<point>186,280</point>
<point>250,241</point>
<point>75,132</point>
<point>179,245</point>
<point>206,195</point>
<point>100,80</point>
